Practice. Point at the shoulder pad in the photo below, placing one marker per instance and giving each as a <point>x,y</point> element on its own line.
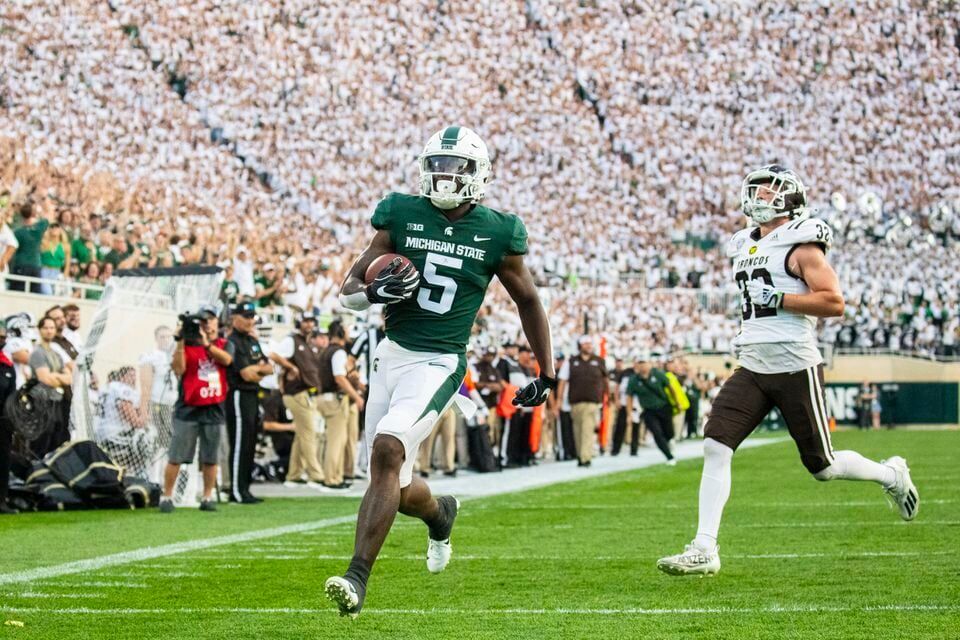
<point>810,230</point>
<point>737,241</point>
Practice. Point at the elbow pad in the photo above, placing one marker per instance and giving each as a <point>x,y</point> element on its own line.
<point>355,301</point>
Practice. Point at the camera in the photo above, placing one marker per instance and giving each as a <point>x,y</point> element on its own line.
<point>190,327</point>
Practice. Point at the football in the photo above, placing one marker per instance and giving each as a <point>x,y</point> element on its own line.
<point>381,263</point>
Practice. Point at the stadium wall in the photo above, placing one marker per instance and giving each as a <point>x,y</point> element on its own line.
<point>912,390</point>
<point>12,302</point>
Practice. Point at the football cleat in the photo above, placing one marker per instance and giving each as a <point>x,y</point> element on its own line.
<point>694,561</point>
<point>344,593</point>
<point>903,494</point>
<point>439,551</point>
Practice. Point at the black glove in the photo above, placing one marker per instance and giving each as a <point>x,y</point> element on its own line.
<point>393,286</point>
<point>535,393</point>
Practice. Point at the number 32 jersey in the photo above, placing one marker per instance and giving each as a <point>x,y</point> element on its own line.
<point>767,260</point>
<point>456,261</point>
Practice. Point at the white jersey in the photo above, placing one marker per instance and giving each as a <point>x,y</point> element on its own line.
<point>775,340</point>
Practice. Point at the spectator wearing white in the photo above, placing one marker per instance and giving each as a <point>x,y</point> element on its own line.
<point>243,273</point>
<point>71,330</point>
<point>158,384</point>
<point>121,427</point>
<point>8,240</point>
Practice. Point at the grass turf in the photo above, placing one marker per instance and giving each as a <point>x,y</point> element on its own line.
<point>571,560</point>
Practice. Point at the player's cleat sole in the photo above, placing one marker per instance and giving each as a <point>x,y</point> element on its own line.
<point>344,594</point>
<point>692,562</point>
<point>903,494</point>
<point>440,551</point>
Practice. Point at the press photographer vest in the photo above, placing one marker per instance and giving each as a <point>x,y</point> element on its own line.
<point>204,381</point>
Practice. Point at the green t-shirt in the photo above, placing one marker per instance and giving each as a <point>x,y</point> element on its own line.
<point>80,251</point>
<point>651,391</point>
<point>29,239</point>
<point>456,261</point>
<point>54,259</point>
<point>115,257</point>
<point>262,282</point>
<point>229,291</point>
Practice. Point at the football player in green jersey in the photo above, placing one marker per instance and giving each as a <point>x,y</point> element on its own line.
<point>457,246</point>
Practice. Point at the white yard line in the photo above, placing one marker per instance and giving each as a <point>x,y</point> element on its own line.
<point>148,553</point>
<point>629,611</point>
<point>634,558</point>
<point>490,484</point>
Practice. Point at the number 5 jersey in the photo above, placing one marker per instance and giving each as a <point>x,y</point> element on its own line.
<point>456,261</point>
<point>775,340</point>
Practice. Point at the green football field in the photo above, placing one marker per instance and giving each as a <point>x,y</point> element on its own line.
<point>801,559</point>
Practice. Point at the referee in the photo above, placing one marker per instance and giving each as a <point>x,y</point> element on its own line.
<point>249,367</point>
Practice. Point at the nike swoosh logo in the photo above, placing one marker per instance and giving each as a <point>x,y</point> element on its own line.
<point>479,239</point>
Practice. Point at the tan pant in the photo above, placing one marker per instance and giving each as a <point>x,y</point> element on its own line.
<point>336,413</point>
<point>496,427</point>
<point>679,425</point>
<point>353,435</point>
<point>446,426</point>
<point>586,416</point>
<point>548,433</point>
<point>305,453</point>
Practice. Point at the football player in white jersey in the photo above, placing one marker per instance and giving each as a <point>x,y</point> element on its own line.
<point>781,268</point>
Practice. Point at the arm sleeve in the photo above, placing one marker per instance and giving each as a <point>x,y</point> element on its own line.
<point>284,348</point>
<point>339,363</point>
<point>564,371</point>
<point>231,348</point>
<point>518,239</point>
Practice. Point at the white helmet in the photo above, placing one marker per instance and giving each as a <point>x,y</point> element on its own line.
<point>454,168</point>
<point>783,194</point>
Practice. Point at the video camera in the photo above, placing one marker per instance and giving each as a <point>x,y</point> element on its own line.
<point>190,328</point>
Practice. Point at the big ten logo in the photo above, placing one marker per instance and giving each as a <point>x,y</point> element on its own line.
<point>413,226</point>
<point>842,403</point>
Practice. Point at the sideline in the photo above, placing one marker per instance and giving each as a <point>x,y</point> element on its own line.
<point>520,480</point>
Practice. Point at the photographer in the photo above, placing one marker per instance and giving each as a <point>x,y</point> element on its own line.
<point>244,374</point>
<point>200,362</point>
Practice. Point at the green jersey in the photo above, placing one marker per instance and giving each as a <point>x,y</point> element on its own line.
<point>651,391</point>
<point>456,261</point>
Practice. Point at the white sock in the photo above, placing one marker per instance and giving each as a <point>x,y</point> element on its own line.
<point>850,465</point>
<point>714,491</point>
